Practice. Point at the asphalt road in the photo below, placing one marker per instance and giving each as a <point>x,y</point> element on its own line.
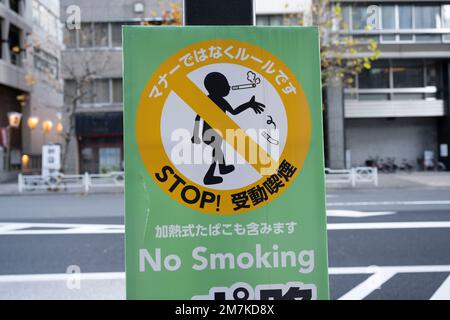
<point>383,244</point>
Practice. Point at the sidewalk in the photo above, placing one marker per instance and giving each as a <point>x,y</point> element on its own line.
<point>394,180</point>
<point>11,188</point>
<point>416,179</point>
<point>404,180</point>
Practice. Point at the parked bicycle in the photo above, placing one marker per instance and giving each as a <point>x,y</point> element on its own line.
<point>389,165</point>
<point>433,165</point>
<point>406,166</point>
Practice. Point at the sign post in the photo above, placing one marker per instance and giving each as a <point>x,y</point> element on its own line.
<point>51,159</point>
<point>218,12</point>
<point>224,173</point>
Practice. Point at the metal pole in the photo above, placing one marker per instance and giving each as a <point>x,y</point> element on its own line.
<point>353,176</point>
<point>86,182</point>
<point>8,151</point>
<point>20,177</point>
<point>218,12</point>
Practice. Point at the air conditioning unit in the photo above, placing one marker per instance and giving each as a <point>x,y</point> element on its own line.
<point>138,7</point>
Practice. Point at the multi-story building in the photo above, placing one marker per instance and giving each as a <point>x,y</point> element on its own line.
<point>29,79</point>
<point>99,135</point>
<point>15,26</point>
<point>400,107</point>
<point>397,109</point>
<point>44,64</point>
<point>98,146</point>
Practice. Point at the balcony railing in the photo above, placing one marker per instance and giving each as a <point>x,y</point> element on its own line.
<point>439,35</point>
<point>386,94</point>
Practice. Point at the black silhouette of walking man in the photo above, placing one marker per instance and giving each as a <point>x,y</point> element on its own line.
<point>218,87</point>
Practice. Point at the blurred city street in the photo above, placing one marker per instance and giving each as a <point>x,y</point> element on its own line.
<point>197,99</point>
<point>384,243</point>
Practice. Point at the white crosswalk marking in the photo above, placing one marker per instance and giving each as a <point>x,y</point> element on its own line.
<point>382,274</point>
<point>443,293</point>
<point>64,229</point>
<point>369,285</point>
<point>35,283</point>
<point>58,228</point>
<point>389,203</point>
<point>357,214</point>
<point>389,225</point>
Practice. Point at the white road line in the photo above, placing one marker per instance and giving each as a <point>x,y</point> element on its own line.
<point>59,228</point>
<point>443,293</point>
<point>60,232</point>
<point>389,225</point>
<point>331,271</point>
<point>55,225</point>
<point>357,214</point>
<point>379,276</point>
<point>383,203</point>
<point>11,229</point>
<point>368,286</point>
<point>6,227</point>
<point>396,269</point>
<point>61,277</point>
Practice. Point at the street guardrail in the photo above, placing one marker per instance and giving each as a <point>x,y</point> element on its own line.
<point>83,182</point>
<point>352,176</point>
<point>86,182</point>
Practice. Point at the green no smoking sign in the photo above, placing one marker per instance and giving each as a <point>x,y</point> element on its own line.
<point>224,164</point>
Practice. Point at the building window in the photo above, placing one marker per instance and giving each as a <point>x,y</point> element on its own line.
<point>398,80</point>
<point>14,40</point>
<point>97,92</point>
<point>88,93</point>
<point>407,74</point>
<point>427,17</point>
<point>116,34</point>
<point>446,20</point>
<point>89,161</point>
<point>346,17</point>
<point>45,19</point>
<point>46,63</point>
<point>117,91</point>
<point>359,17</point>
<point>1,34</point>
<point>269,20</point>
<point>388,17</point>
<point>101,91</point>
<point>85,35</point>
<point>109,159</point>
<point>376,77</point>
<point>101,35</point>
<point>388,22</point>
<point>433,80</point>
<point>70,38</point>
<point>428,38</point>
<point>96,35</point>
<point>35,9</point>
<point>14,5</point>
<point>403,21</point>
<point>69,91</point>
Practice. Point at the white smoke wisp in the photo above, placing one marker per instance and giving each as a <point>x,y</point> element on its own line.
<point>251,76</point>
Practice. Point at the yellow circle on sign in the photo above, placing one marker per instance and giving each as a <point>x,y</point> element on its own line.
<point>172,75</point>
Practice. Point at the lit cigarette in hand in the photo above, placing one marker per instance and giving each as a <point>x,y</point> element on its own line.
<point>243,86</point>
